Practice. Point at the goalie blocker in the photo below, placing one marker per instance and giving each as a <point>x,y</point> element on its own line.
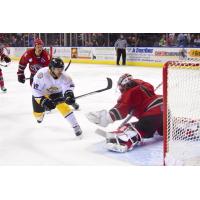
<point>139,99</point>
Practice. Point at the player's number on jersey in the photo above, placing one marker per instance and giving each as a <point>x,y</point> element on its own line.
<point>36,86</point>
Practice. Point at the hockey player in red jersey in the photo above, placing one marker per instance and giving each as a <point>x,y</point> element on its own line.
<point>3,58</point>
<point>36,57</point>
<point>138,99</point>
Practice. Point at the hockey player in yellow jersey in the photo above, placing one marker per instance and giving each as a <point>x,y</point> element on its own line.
<point>52,89</point>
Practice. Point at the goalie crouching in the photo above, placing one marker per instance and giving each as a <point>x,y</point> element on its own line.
<point>138,99</point>
<point>52,89</point>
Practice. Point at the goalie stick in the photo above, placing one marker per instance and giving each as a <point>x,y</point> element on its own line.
<point>64,69</point>
<point>158,86</point>
<point>109,86</point>
<point>103,133</point>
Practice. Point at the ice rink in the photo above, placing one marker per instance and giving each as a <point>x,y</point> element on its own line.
<point>25,142</point>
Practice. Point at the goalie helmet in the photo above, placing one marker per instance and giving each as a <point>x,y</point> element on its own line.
<point>38,41</point>
<point>56,63</point>
<point>125,82</point>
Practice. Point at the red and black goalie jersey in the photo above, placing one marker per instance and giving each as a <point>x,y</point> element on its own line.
<point>140,100</point>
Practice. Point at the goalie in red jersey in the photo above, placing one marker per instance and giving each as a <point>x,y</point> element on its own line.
<point>36,57</point>
<point>138,99</point>
<point>6,59</point>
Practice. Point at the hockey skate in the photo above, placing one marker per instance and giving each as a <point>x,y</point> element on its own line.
<point>3,89</point>
<point>39,117</point>
<point>78,132</point>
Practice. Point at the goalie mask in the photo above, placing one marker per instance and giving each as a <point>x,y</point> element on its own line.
<point>125,82</point>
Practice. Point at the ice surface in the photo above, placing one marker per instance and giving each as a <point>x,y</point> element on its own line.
<point>23,141</point>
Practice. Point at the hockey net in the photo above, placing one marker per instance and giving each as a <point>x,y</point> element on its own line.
<point>181,94</point>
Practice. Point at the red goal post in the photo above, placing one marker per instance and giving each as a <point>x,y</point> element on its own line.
<point>181,112</point>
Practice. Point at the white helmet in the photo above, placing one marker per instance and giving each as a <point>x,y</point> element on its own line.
<point>124,82</point>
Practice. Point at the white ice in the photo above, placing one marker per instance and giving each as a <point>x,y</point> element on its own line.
<point>24,142</point>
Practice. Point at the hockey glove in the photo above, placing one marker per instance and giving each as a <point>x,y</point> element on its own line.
<point>57,98</point>
<point>7,59</point>
<point>101,118</point>
<point>47,104</point>
<point>69,97</point>
<point>21,78</point>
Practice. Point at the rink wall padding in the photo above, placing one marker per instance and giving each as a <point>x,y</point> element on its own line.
<point>136,56</point>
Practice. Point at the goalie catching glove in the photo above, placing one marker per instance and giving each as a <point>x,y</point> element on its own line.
<point>101,118</point>
<point>69,97</point>
<point>123,139</point>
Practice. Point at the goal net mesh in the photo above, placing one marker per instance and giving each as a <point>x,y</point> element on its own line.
<point>181,113</point>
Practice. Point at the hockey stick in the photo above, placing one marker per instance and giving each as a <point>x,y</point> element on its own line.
<point>109,86</point>
<point>158,86</point>
<point>4,65</point>
<point>103,133</point>
<point>68,65</point>
<point>64,69</point>
<point>127,119</point>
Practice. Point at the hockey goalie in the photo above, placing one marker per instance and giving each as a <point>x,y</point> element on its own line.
<point>138,99</point>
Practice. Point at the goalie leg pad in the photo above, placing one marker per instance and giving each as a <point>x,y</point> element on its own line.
<point>124,139</point>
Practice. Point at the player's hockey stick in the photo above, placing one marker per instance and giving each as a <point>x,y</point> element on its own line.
<point>109,86</point>
<point>68,65</point>
<point>3,65</point>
